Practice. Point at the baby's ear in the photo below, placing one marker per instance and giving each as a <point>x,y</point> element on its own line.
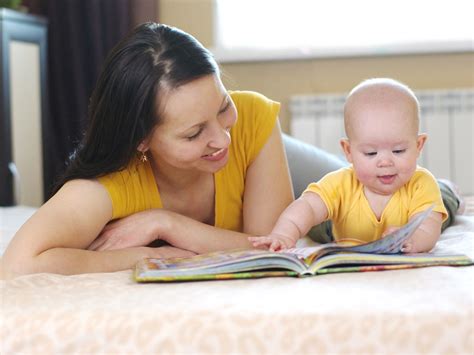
<point>346,148</point>
<point>420,141</point>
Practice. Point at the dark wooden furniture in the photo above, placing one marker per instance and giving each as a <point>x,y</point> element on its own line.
<point>24,143</point>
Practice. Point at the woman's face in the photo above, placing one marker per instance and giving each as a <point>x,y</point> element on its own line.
<point>194,134</point>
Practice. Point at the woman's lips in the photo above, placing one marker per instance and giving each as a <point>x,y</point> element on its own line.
<point>217,155</point>
<point>387,179</point>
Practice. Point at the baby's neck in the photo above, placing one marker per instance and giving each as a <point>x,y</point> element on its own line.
<point>377,202</point>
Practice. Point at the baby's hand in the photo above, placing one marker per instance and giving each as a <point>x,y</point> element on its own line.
<point>412,246</point>
<point>274,242</point>
<point>390,229</point>
<point>407,247</point>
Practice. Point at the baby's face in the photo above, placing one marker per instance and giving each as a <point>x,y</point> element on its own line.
<point>384,144</point>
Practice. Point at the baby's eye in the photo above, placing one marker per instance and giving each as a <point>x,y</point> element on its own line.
<point>370,154</point>
<point>399,151</point>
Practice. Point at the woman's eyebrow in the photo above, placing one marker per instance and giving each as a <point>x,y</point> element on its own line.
<point>198,124</point>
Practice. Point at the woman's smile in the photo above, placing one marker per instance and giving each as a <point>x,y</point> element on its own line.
<point>217,155</point>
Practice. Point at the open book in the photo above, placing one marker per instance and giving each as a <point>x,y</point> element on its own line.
<point>382,254</point>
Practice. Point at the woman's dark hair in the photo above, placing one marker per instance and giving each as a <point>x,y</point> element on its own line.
<point>123,106</point>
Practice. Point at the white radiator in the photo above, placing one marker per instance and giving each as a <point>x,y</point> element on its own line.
<point>446,116</point>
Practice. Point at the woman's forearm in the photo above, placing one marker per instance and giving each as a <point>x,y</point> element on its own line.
<point>69,261</point>
<point>189,234</point>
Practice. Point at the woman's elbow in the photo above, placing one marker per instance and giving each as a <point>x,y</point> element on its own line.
<point>14,265</point>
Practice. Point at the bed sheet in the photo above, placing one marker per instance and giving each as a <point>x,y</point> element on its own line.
<point>428,310</point>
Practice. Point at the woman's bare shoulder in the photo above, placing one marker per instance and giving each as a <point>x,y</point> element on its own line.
<point>81,197</point>
<point>83,190</point>
<point>78,206</point>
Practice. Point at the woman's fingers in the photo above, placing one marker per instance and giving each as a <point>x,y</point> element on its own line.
<point>96,243</point>
<point>104,241</point>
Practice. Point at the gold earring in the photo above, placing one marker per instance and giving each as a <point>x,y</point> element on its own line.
<point>143,157</point>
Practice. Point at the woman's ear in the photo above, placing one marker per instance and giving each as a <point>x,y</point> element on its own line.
<point>346,148</point>
<point>143,146</point>
<point>420,142</point>
<point>142,149</point>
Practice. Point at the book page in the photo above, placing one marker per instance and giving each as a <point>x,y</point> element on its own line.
<point>223,262</point>
<point>360,262</point>
<point>390,244</point>
<point>305,252</point>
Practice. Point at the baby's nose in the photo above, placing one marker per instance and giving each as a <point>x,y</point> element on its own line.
<point>384,160</point>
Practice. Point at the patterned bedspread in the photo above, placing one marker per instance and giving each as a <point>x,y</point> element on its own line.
<point>429,310</point>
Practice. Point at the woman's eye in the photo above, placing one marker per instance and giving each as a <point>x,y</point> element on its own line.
<point>399,151</point>
<point>194,136</point>
<point>226,107</point>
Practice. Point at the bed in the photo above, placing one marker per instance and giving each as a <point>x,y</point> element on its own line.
<point>429,310</point>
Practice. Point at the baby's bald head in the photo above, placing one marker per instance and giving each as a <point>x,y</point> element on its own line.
<point>383,93</point>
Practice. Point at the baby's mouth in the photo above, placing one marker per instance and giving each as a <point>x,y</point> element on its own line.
<point>387,179</point>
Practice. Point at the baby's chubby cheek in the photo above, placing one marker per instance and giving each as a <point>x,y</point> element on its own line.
<point>364,175</point>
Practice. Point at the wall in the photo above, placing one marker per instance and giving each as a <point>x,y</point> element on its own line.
<point>281,79</point>
<point>193,16</point>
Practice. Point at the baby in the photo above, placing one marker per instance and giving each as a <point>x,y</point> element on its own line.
<point>382,189</point>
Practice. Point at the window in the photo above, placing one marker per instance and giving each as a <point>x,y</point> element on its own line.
<point>315,28</point>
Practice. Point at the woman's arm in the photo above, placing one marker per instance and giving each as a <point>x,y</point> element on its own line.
<point>54,238</point>
<point>268,189</point>
<point>267,193</point>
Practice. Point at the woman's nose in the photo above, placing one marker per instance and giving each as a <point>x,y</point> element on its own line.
<point>220,136</point>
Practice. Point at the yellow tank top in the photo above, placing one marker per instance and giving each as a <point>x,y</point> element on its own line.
<point>134,189</point>
<point>351,214</point>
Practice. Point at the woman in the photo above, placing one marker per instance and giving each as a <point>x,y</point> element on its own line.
<point>169,155</point>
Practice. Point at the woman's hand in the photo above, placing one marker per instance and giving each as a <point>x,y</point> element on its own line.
<point>169,252</point>
<point>136,230</point>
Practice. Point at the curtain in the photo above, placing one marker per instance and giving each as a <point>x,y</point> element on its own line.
<point>80,34</point>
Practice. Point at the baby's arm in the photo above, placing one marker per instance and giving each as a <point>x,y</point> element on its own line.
<point>294,222</point>
<point>426,235</point>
